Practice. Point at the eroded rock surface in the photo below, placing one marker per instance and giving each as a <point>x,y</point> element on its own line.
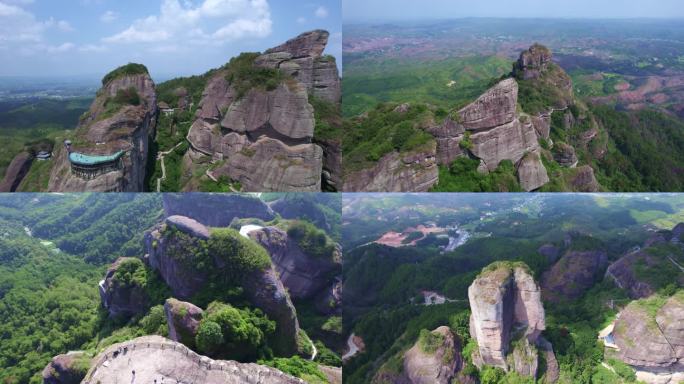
<point>129,129</point>
<point>507,318</point>
<point>652,343</point>
<point>531,172</point>
<point>16,171</point>
<point>150,358</point>
<point>183,319</point>
<point>397,172</point>
<point>303,275</point>
<point>438,367</point>
<point>264,137</point>
<point>167,253</point>
<point>69,368</point>
<point>573,275</point>
<point>122,298</point>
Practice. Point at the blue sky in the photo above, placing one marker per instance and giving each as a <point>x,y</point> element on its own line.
<point>171,37</point>
<point>387,10</point>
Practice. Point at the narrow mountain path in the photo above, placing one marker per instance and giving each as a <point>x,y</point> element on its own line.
<point>160,157</point>
<point>315,350</point>
<point>676,263</point>
<point>353,348</point>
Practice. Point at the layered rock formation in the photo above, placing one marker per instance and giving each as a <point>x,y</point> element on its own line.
<point>415,171</point>
<point>573,274</point>
<point>303,275</point>
<point>16,171</point>
<point>216,209</point>
<point>119,297</point>
<point>507,318</point>
<point>264,137</point>
<point>651,341</point>
<point>183,319</point>
<point>69,368</point>
<point>111,125</point>
<point>167,253</point>
<point>156,359</point>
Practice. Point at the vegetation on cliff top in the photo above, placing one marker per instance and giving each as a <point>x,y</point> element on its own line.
<point>125,70</point>
<point>244,76</point>
<point>311,240</point>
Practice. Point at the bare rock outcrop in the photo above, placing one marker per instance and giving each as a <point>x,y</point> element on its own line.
<point>495,107</point>
<point>121,118</point>
<point>120,294</point>
<point>650,338</point>
<point>69,368</point>
<point>565,155</point>
<point>531,172</point>
<point>532,62</point>
<point>583,180</point>
<point>150,358</point>
<point>183,319</point>
<point>216,209</point>
<point>168,247</point>
<point>397,172</point>
<point>438,367</point>
<point>16,171</point>
<point>303,275</point>
<point>265,136</point>
<point>573,274</point>
<point>507,318</point>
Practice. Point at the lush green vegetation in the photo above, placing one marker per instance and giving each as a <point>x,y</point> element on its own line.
<point>462,176</point>
<point>539,95</point>
<point>429,341</point>
<point>129,69</point>
<point>311,240</point>
<point>444,83</point>
<point>298,367</point>
<point>385,130</point>
<point>328,119</point>
<point>131,272</point>
<point>243,75</point>
<point>236,334</point>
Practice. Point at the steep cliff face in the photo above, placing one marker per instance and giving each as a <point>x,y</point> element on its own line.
<point>120,292</point>
<point>16,171</point>
<point>414,171</point>
<point>263,135</point>
<point>650,337</point>
<point>573,274</point>
<point>507,318</point>
<point>216,209</point>
<point>170,247</point>
<point>438,366</point>
<point>183,319</point>
<point>635,270</point>
<point>303,275</point>
<point>121,118</point>
<point>69,368</point>
<point>150,358</point>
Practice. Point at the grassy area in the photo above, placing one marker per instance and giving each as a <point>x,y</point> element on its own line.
<point>444,83</point>
<point>125,70</point>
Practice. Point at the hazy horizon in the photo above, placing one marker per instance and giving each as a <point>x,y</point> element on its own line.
<point>360,11</point>
<point>89,38</point>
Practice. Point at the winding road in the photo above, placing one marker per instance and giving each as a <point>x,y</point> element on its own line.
<point>160,157</point>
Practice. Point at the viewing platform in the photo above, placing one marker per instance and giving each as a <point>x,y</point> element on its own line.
<point>91,166</point>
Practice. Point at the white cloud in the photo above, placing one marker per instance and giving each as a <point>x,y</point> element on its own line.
<point>64,26</point>
<point>92,48</point>
<point>321,12</point>
<point>17,25</point>
<point>60,48</point>
<point>109,16</point>
<point>181,23</point>
<point>301,20</point>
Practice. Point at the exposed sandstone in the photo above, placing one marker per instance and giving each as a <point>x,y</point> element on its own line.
<point>69,368</point>
<point>495,107</point>
<point>303,275</point>
<point>565,155</point>
<point>129,129</point>
<point>531,172</point>
<point>652,343</point>
<point>150,358</point>
<point>434,368</point>
<point>122,298</point>
<point>583,180</point>
<point>262,288</point>
<point>510,141</point>
<point>183,319</point>
<point>532,62</point>
<point>16,171</point>
<point>397,172</point>
<point>309,44</point>
<point>573,275</point>
<point>507,317</point>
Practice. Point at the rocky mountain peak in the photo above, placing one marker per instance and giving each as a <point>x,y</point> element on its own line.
<point>495,107</point>
<point>308,44</point>
<point>507,317</point>
<point>532,62</point>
